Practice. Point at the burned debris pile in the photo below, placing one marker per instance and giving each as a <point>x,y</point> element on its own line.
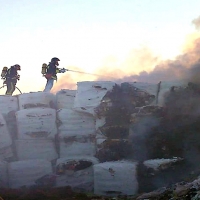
<point>177,135</point>
<point>179,125</point>
<point>117,107</point>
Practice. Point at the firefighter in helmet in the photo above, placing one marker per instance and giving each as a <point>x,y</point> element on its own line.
<point>50,74</point>
<point>11,78</point>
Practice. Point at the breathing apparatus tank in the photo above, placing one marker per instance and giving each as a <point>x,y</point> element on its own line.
<point>44,68</point>
<point>3,72</point>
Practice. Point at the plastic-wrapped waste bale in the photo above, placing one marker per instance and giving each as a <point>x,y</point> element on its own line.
<point>89,95</point>
<point>115,178</point>
<point>76,133</point>
<point>75,123</point>
<point>65,98</point>
<point>161,164</point>
<point>30,173</point>
<point>33,149</point>
<point>157,173</point>
<point>77,145</point>
<point>76,172</point>
<point>8,103</point>
<point>10,119</point>
<point>37,99</point>
<point>3,174</point>
<point>5,140</point>
<point>6,153</point>
<point>35,123</point>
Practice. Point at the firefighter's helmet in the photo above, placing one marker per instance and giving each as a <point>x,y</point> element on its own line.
<point>18,67</point>
<point>55,59</point>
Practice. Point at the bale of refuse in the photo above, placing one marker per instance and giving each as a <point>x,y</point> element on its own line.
<point>3,174</point>
<point>76,172</point>
<point>38,148</point>
<point>5,140</point>
<point>71,122</point>
<point>37,99</point>
<point>8,103</point>
<point>77,145</point>
<point>28,173</point>
<point>65,98</point>
<point>115,178</point>
<point>89,95</point>
<point>35,123</point>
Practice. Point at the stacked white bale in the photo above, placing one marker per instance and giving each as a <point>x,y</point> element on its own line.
<point>161,163</point>
<point>36,99</point>
<point>36,130</point>
<point>5,140</point>
<point>27,173</point>
<point>65,98</point>
<point>36,149</point>
<point>3,174</point>
<point>36,123</point>
<point>76,172</point>
<point>89,95</point>
<point>8,103</point>
<point>115,178</point>
<point>76,133</point>
<point>8,107</point>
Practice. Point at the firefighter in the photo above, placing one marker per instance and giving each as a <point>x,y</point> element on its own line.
<point>50,74</point>
<point>11,78</point>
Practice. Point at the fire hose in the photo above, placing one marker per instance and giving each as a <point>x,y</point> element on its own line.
<point>15,87</point>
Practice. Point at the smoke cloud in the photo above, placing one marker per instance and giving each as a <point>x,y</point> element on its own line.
<point>143,66</point>
<point>196,22</point>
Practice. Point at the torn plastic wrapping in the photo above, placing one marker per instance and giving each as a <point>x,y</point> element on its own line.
<point>76,171</point>
<point>77,145</point>
<point>89,95</point>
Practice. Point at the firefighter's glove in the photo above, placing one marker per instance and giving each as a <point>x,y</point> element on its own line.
<point>17,77</point>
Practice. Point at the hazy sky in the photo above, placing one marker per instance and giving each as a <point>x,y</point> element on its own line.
<point>90,35</point>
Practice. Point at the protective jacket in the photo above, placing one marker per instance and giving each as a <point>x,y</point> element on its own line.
<point>12,75</point>
<point>52,70</point>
